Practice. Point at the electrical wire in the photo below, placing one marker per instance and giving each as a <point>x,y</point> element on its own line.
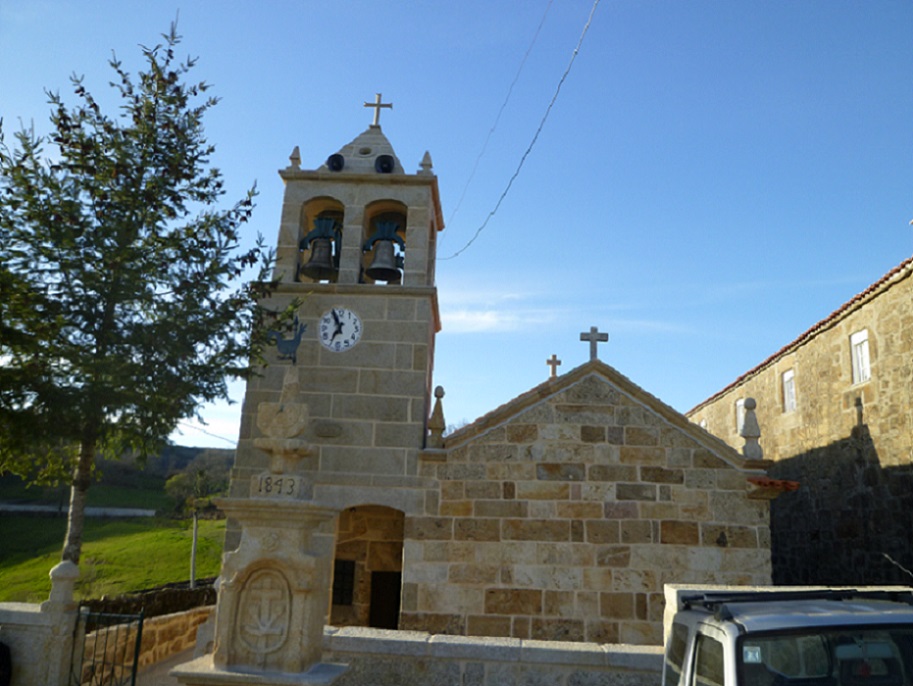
<point>494,126</point>
<point>533,142</point>
<point>208,433</point>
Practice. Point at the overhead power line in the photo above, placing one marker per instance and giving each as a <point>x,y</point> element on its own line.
<point>534,139</point>
<point>208,433</point>
<point>494,126</point>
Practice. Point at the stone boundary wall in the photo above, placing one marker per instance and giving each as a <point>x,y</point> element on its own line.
<point>378,657</point>
<point>169,635</point>
<point>164,600</point>
<point>40,639</point>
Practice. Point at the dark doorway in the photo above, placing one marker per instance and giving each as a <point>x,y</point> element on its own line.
<point>384,613</point>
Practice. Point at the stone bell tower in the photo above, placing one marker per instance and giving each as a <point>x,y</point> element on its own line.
<point>338,418</point>
<point>356,250</point>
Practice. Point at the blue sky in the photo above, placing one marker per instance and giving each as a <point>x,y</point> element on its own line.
<point>714,177</point>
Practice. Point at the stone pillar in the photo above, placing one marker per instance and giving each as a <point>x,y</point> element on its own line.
<point>40,637</point>
<point>275,586</point>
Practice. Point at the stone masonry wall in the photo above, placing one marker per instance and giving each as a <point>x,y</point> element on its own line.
<point>401,658</point>
<point>826,396</point>
<point>849,445</point>
<point>565,522</point>
<point>367,407</point>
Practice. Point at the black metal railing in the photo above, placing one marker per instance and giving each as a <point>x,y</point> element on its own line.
<point>106,648</point>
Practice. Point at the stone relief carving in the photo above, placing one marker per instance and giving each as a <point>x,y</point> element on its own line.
<point>263,613</point>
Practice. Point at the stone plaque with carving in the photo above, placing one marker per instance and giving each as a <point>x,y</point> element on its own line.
<point>264,613</point>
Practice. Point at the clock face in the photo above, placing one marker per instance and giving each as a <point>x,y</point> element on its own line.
<point>340,329</point>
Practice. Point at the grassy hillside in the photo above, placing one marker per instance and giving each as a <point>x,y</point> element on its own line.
<point>118,556</point>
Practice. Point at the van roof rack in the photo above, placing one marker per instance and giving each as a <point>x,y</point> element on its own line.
<point>716,601</point>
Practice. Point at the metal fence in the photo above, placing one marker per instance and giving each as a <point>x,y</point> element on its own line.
<point>106,649</point>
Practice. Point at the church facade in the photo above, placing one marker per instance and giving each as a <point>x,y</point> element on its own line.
<point>559,515</point>
<point>835,409</point>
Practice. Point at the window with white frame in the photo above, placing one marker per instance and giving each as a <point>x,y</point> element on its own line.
<point>789,391</point>
<point>859,352</point>
<point>739,414</point>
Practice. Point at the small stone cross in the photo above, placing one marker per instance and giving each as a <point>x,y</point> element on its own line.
<point>377,105</point>
<point>594,338</point>
<point>554,363</point>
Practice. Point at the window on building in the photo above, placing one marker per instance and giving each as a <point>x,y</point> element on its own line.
<point>739,414</point>
<point>789,391</point>
<point>343,582</point>
<point>859,351</point>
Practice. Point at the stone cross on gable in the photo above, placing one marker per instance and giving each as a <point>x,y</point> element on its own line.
<point>377,105</point>
<point>595,338</point>
<point>554,363</point>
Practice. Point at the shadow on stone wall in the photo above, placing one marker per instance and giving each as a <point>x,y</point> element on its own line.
<point>848,513</point>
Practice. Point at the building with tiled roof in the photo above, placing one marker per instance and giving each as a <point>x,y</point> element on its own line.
<point>835,408</point>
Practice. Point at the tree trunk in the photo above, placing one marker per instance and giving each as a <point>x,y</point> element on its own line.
<point>82,477</point>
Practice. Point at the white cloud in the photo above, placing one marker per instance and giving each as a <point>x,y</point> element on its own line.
<point>477,321</point>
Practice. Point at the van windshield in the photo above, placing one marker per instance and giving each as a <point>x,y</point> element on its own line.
<point>854,656</point>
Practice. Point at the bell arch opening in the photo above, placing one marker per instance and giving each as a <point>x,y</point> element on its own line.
<point>367,567</point>
<point>384,242</point>
<point>320,243</point>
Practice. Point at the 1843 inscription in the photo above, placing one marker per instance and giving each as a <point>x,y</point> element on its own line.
<point>280,486</point>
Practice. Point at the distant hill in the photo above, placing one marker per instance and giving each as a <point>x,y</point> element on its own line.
<point>119,478</point>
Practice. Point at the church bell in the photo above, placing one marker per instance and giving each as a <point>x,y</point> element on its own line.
<point>320,267</point>
<point>384,265</point>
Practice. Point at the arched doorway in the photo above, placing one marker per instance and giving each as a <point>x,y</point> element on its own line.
<point>368,566</point>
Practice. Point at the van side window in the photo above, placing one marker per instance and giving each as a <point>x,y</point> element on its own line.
<point>708,662</point>
<point>675,655</point>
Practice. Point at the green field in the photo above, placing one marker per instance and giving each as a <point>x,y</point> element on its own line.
<point>118,556</point>
<point>148,494</point>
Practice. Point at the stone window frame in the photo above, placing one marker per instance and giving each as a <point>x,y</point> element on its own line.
<point>789,396</point>
<point>860,357</point>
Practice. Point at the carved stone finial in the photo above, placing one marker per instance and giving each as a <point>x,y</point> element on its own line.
<point>281,424</point>
<point>63,579</point>
<point>295,159</point>
<point>436,423</point>
<point>751,432</point>
<point>287,418</point>
<point>425,166</point>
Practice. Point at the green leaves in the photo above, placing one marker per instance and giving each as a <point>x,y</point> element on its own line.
<point>124,302</point>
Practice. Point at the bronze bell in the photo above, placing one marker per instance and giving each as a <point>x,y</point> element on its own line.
<point>320,267</point>
<point>383,267</point>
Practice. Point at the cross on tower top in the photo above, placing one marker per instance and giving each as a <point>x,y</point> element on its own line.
<point>594,337</point>
<point>377,105</point>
